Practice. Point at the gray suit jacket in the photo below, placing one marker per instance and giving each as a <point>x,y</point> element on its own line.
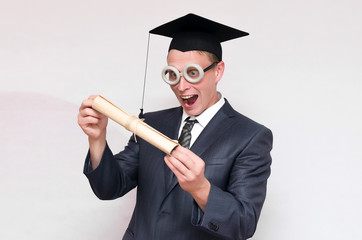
<point>236,151</point>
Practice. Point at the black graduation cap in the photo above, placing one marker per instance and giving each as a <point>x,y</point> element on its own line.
<point>192,32</point>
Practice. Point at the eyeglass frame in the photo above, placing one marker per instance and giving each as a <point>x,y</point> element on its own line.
<point>184,73</point>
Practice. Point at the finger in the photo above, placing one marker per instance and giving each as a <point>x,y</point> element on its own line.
<point>168,162</point>
<point>176,166</point>
<point>88,102</point>
<point>93,97</point>
<point>179,151</point>
<point>185,156</point>
<point>183,174</point>
<point>90,112</point>
<point>192,162</point>
<point>88,120</point>
<point>91,132</point>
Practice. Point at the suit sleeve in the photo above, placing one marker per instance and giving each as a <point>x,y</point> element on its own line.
<point>233,213</point>
<point>116,174</point>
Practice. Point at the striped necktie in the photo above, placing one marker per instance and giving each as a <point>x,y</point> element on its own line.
<point>185,137</point>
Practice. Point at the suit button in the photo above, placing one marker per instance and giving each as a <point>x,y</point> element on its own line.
<point>213,226</point>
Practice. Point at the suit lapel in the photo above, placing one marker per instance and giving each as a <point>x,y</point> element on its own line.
<point>171,127</point>
<point>216,127</point>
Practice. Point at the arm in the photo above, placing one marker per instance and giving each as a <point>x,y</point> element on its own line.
<point>94,126</point>
<point>109,176</point>
<point>189,170</point>
<point>233,212</point>
<point>116,174</point>
<point>230,209</point>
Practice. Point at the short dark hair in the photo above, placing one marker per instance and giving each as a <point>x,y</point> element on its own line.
<point>213,58</point>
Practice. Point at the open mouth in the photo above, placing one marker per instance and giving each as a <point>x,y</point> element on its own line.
<point>189,100</point>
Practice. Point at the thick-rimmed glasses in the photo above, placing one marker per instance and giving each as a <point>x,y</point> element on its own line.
<point>192,72</point>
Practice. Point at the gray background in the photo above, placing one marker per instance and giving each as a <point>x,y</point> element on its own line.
<point>299,73</point>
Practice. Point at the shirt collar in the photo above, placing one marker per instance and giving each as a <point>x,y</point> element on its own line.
<point>205,117</point>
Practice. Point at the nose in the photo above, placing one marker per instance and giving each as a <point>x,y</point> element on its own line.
<point>183,84</point>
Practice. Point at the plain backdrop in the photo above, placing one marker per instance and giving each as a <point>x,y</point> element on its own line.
<point>298,73</point>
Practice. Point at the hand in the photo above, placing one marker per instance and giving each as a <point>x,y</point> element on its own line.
<point>91,121</point>
<point>189,170</point>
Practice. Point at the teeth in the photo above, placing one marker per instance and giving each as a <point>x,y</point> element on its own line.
<point>186,97</point>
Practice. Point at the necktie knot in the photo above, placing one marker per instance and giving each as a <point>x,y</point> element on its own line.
<point>189,124</point>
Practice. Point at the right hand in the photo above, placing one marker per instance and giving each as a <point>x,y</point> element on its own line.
<point>92,122</point>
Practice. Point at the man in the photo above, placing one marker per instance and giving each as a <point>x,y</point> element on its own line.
<point>215,189</point>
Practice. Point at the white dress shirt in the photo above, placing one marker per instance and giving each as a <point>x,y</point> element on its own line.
<point>203,119</point>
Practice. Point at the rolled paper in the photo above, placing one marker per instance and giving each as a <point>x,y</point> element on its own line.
<point>134,124</point>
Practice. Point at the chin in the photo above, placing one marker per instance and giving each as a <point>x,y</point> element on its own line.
<point>192,112</point>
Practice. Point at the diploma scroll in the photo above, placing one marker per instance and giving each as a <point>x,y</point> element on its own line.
<point>134,124</point>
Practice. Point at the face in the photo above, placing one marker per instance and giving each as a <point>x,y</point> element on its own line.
<point>195,97</point>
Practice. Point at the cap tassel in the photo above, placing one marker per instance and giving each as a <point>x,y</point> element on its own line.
<point>141,116</point>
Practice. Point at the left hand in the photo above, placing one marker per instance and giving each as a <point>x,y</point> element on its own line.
<point>189,170</point>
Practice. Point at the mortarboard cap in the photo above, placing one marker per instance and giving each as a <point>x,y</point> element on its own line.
<point>192,32</point>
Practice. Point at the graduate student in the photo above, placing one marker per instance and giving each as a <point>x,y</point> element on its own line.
<point>213,185</point>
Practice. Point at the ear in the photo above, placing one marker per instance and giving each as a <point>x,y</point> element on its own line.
<point>219,71</point>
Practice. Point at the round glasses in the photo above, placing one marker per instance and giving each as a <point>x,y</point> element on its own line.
<point>192,72</point>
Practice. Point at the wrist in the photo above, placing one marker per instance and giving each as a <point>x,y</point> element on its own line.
<point>100,140</point>
<point>201,195</point>
<point>96,149</point>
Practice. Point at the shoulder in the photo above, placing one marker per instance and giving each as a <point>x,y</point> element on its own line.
<point>242,122</point>
<point>161,116</point>
<point>163,113</point>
